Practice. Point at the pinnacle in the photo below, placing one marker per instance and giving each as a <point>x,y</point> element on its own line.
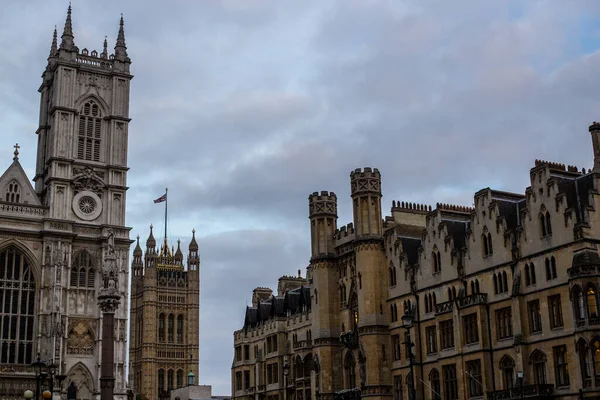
<point>67,36</point>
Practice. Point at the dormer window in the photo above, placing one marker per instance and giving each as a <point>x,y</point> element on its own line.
<point>545,222</point>
<point>13,192</point>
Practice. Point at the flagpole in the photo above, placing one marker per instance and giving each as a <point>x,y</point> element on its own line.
<point>166,200</point>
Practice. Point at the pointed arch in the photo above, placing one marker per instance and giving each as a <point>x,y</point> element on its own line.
<point>472,287</point>
<point>350,370</point>
<point>81,377</point>
<point>538,361</point>
<point>505,281</point>
<point>578,303</point>
<point>507,366</point>
<point>477,286</point>
<point>90,129</point>
<point>83,99</point>
<point>12,192</point>
<point>591,295</point>
<point>435,385</point>
<point>495,279</point>
<point>32,260</point>
<point>553,267</point>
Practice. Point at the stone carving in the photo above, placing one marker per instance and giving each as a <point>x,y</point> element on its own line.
<point>59,225</point>
<point>111,241</point>
<point>80,339</point>
<point>80,378</point>
<point>88,179</point>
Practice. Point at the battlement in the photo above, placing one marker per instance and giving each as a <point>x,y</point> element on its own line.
<point>365,173</point>
<point>93,59</point>
<point>559,167</point>
<point>595,126</point>
<point>406,206</point>
<point>454,208</point>
<point>324,203</point>
<point>344,231</point>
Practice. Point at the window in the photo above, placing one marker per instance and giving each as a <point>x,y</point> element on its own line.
<point>545,223</point>
<point>530,274</point>
<point>349,367</point>
<point>180,378</point>
<point>161,328</point>
<point>538,361</point>
<point>450,382</point>
<point>394,312</point>
<point>246,352</point>
<point>90,125</point>
<point>83,274</point>
<point>592,301</point>
<point>246,380</point>
<point>595,346</point>
<point>486,239</point>
<point>180,328</point>
<point>550,268</point>
<point>504,323</point>
<point>171,321</point>
<point>447,334</point>
<point>238,380</point>
<point>555,311</point>
<point>505,281</point>
<point>272,373</point>
<point>535,316</point>
<point>398,387</point>
<point>579,303</point>
<point>561,368</point>
<point>392,271</point>
<point>474,378</point>
<point>434,382</point>
<point>342,295</point>
<point>497,289</point>
<point>170,380</point>
<point>507,365</point>
<point>17,304</point>
<point>161,380</point>
<point>436,261</point>
<point>431,336</point>
<point>396,347</point>
<point>13,192</point>
<point>471,328</point>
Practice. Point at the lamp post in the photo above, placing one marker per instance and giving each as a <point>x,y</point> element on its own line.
<point>39,375</point>
<point>286,373</point>
<point>520,378</point>
<point>407,322</point>
<point>191,377</point>
<point>28,394</point>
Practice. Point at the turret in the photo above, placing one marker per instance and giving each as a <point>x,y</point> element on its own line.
<point>137,264</point>
<point>595,132</point>
<point>150,249</point>
<point>366,199</point>
<point>178,253</point>
<point>193,259</point>
<point>322,212</point>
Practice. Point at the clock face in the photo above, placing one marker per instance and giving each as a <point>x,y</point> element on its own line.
<point>87,205</point>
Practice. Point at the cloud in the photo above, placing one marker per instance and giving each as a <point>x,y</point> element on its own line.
<point>243,108</point>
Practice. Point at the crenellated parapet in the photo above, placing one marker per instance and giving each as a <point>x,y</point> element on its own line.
<point>365,181</point>
<point>322,211</point>
<point>365,189</point>
<point>406,206</point>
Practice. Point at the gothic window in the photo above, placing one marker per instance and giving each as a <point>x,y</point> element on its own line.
<point>90,123</point>
<point>350,368</point>
<point>476,285</point>
<point>398,387</point>
<point>170,326</point>
<point>504,323</point>
<point>354,311</point>
<point>180,328</point>
<point>450,382</point>
<point>161,328</point>
<point>535,316</point>
<point>505,281</point>
<point>17,304</point>
<point>553,267</point>
<point>538,361</point>
<point>584,363</point>
<point>180,378</point>
<point>80,377</point>
<point>486,239</point>
<point>579,303</point>
<point>530,274</point>
<point>507,365</point>
<point>161,380</point>
<point>434,382</point>
<point>91,279</point>
<point>592,301</point>
<point>453,293</point>
<point>595,346</point>
<point>83,274</point>
<point>392,272</point>
<point>561,368</point>
<point>449,294</point>
<point>545,223</point>
<point>555,311</point>
<point>13,192</point>
<point>496,284</point>
<point>472,287</point>
<point>436,261</point>
<point>80,340</point>
<point>170,379</point>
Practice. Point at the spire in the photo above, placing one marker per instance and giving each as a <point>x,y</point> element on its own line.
<point>178,253</point>
<point>67,42</point>
<point>138,250</point>
<point>151,242</point>
<point>193,243</point>
<point>54,46</point>
<point>120,47</point>
<point>104,53</point>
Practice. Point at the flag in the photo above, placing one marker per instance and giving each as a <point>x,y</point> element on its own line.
<point>161,199</point>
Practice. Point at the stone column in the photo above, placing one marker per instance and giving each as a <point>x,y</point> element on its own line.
<point>108,304</point>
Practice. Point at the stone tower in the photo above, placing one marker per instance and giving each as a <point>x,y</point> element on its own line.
<point>365,186</point>
<point>164,317</point>
<point>68,229</point>
<point>326,321</point>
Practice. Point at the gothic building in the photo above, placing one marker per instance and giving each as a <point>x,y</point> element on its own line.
<point>499,300</point>
<point>63,240</point>
<point>165,305</point>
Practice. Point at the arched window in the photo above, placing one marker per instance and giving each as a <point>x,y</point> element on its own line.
<point>426,303</point>
<point>592,301</point>
<point>507,365</point>
<point>298,368</point>
<point>527,275</point>
<point>486,248</point>
<point>532,273</point>
<point>439,261</point>
<point>548,224</point>
<point>595,347</point>
<point>308,363</point>
<point>13,192</point>
<point>350,369</point>
<point>472,287</point>
<point>538,361</point>
<point>579,303</point>
<point>453,293</point>
<point>548,272</point>
<point>449,294</point>
<point>354,311</point>
<point>584,363</point>
<point>83,273</point>
<point>434,382</point>
<point>74,276</point>
<point>505,281</point>
<point>496,284</point>
<point>489,240</point>
<point>91,278</point>
<point>179,328</point>
<point>90,132</point>
<point>161,380</point>
<point>17,307</point>
<point>179,378</point>
<point>170,326</point>
<point>543,224</point>
<point>161,328</point>
<point>434,301</point>
<point>392,271</point>
<point>553,267</point>
<point>476,285</point>
<point>170,380</point>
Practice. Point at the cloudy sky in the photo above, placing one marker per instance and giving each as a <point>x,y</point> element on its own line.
<point>244,107</point>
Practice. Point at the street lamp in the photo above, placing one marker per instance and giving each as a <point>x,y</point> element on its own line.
<point>130,394</point>
<point>286,373</point>
<point>39,375</point>
<point>520,378</point>
<point>28,394</point>
<point>191,377</point>
<point>407,322</point>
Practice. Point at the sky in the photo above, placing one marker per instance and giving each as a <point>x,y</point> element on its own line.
<point>242,108</point>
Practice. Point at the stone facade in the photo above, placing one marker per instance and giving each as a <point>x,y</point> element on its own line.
<point>56,235</point>
<point>164,329</point>
<point>500,300</point>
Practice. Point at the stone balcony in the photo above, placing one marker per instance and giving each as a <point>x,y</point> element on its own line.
<point>523,392</point>
<point>471,300</point>
<point>443,308</point>
<point>303,345</point>
<point>583,271</point>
